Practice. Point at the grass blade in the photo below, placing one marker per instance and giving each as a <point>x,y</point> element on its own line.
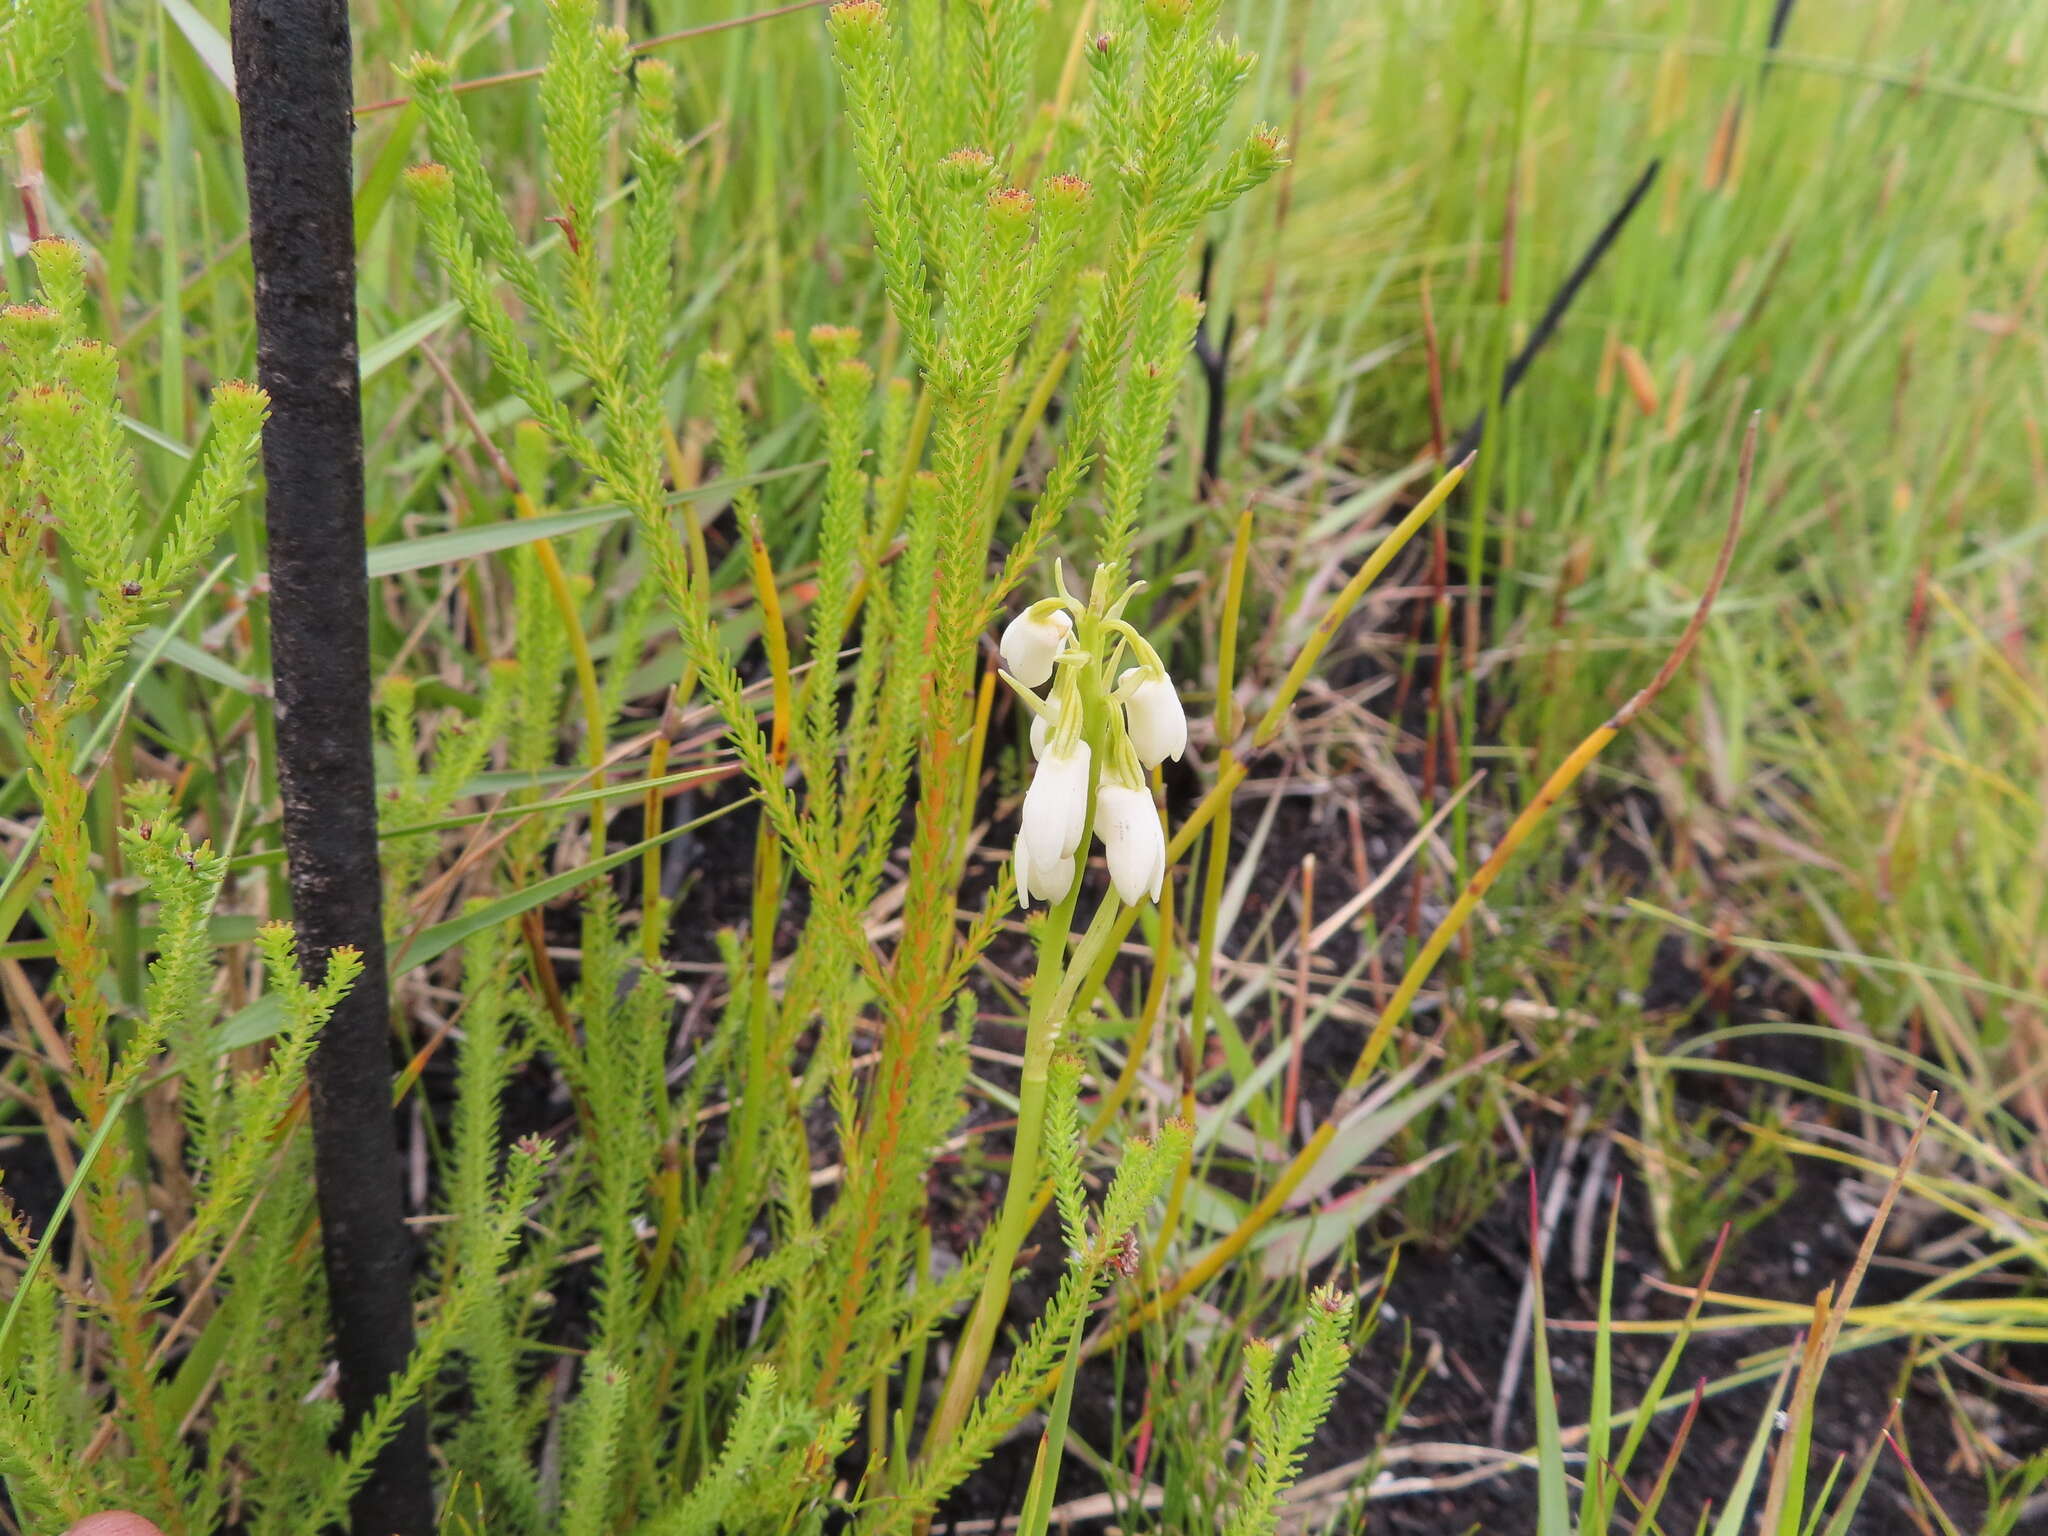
<point>1553,1510</point>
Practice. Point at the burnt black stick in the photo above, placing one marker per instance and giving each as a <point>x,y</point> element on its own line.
<point>292,77</point>
<point>1781,17</point>
<point>1560,301</point>
<point>1214,359</point>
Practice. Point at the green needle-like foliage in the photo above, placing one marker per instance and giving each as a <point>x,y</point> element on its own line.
<point>738,1312</point>
<point>973,266</point>
<point>990,265</point>
<point>33,36</point>
<point>236,1262</point>
<point>1281,1425</point>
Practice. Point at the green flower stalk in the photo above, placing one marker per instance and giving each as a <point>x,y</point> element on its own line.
<point>1091,774</point>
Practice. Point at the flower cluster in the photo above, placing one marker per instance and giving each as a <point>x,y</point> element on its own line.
<point>1089,732</point>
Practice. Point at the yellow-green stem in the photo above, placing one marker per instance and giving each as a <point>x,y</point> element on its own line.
<point>913,450</point>
<point>1034,412</point>
<point>592,697</point>
<point>650,862</point>
<point>683,475</point>
<point>1051,996</point>
<point>1213,869</point>
<point>970,781</point>
<point>1053,991</point>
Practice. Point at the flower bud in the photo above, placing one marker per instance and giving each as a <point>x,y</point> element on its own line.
<point>1266,147</point>
<point>1009,211</point>
<point>25,326</point>
<point>1152,713</point>
<point>968,169</point>
<point>1133,840</point>
<point>833,343</point>
<point>1034,638</point>
<point>90,367</point>
<point>236,405</point>
<point>614,49</point>
<point>1056,805</point>
<point>1065,191</point>
<point>654,85</point>
<point>428,72</point>
<point>432,185</point>
<point>1041,883</point>
<point>857,21</point>
<point>58,262</point>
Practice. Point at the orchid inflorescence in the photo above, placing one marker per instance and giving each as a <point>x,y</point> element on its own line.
<point>1095,728</point>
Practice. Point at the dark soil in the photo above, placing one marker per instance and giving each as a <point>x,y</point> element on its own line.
<point>1451,1316</point>
<point>1452,1313</point>
<point>1466,1300</point>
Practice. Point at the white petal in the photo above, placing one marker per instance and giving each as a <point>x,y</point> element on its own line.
<point>1153,714</point>
<point>1036,884</point>
<point>1056,806</point>
<point>1032,641</point>
<point>1076,800</point>
<point>1132,840</point>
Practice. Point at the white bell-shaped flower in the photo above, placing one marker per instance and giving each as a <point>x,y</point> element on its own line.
<point>1042,725</point>
<point>1035,637</point>
<point>1158,725</point>
<point>1056,805</point>
<point>1036,883</point>
<point>1133,839</point>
